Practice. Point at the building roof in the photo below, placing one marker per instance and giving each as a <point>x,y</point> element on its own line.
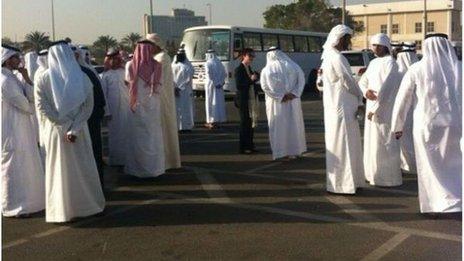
<point>403,7</point>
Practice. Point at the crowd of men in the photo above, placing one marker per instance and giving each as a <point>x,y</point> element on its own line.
<point>413,119</point>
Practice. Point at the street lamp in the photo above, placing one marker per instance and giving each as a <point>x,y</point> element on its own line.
<point>344,12</point>
<point>53,22</point>
<point>210,14</point>
<point>150,21</point>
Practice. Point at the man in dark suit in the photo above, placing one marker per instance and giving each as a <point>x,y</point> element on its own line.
<point>245,80</point>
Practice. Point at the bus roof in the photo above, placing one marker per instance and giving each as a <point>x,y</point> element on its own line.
<point>254,29</point>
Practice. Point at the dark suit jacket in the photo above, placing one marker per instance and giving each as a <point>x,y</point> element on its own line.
<point>98,96</point>
<point>243,83</point>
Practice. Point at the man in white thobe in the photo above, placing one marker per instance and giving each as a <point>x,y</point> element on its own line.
<point>23,178</point>
<point>30,63</point>
<point>215,76</point>
<point>342,97</point>
<point>183,75</point>
<point>283,81</point>
<point>168,105</point>
<point>42,62</point>
<point>145,147</point>
<point>405,58</point>
<point>432,87</point>
<point>64,99</point>
<point>380,84</point>
<point>117,100</point>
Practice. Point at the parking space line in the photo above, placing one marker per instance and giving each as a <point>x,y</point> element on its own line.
<point>76,224</point>
<point>386,248</point>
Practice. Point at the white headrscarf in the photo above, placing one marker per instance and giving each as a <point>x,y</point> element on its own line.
<point>7,53</point>
<point>84,58</point>
<point>66,79</point>
<point>42,59</point>
<point>381,39</point>
<point>156,39</point>
<point>442,70</point>
<point>275,72</point>
<point>334,37</point>
<point>30,60</point>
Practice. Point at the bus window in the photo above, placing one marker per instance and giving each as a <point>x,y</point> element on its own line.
<point>253,41</point>
<point>269,40</point>
<point>314,44</point>
<point>198,42</point>
<point>286,43</point>
<point>301,45</point>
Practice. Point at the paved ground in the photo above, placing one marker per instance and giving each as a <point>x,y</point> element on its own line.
<point>222,205</point>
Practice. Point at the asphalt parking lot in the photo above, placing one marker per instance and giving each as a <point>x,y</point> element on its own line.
<point>225,206</point>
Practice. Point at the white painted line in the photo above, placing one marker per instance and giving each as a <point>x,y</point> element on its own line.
<point>76,224</point>
<point>211,186</point>
<point>386,248</point>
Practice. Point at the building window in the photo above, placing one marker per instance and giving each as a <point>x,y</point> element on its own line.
<point>383,28</point>
<point>430,27</point>
<point>418,27</point>
<point>361,26</point>
<point>395,29</point>
<point>418,45</point>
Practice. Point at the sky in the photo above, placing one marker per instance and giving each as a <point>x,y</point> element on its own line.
<point>85,20</point>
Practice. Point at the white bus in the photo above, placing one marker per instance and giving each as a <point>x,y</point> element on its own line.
<point>303,47</point>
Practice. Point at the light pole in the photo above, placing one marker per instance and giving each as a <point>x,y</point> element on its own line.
<point>425,19</point>
<point>53,22</point>
<point>210,14</point>
<point>344,12</point>
<point>150,28</point>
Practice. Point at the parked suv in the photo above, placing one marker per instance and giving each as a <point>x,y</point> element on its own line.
<point>358,60</point>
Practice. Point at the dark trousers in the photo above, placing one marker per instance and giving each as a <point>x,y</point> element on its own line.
<point>246,129</point>
<point>95,136</point>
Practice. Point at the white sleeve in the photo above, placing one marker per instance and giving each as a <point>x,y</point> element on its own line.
<point>84,113</point>
<point>299,88</point>
<point>14,96</point>
<point>403,101</point>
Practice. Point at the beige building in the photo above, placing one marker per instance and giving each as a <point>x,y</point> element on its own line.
<point>403,21</point>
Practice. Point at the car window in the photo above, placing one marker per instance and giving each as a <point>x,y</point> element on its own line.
<point>354,59</point>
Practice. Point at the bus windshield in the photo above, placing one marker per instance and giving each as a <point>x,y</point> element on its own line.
<point>199,41</point>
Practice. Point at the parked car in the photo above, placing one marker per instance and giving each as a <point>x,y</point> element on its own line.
<point>358,60</point>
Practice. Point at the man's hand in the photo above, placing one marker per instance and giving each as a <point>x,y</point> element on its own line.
<point>177,92</point>
<point>370,95</point>
<point>370,115</point>
<point>254,77</point>
<point>25,75</point>
<point>70,138</point>
<point>398,134</point>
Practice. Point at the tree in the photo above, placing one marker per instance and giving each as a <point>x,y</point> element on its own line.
<point>130,40</point>
<point>36,41</point>
<point>306,15</point>
<point>105,42</point>
<point>7,41</point>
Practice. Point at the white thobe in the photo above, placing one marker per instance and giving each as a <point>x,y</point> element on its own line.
<point>341,99</point>
<point>145,146</point>
<point>117,100</point>
<point>168,113</point>
<point>285,119</point>
<point>408,161</point>
<point>72,184</point>
<point>40,120</point>
<point>381,149</point>
<point>23,178</point>
<point>437,131</point>
<point>215,75</point>
<point>183,75</point>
